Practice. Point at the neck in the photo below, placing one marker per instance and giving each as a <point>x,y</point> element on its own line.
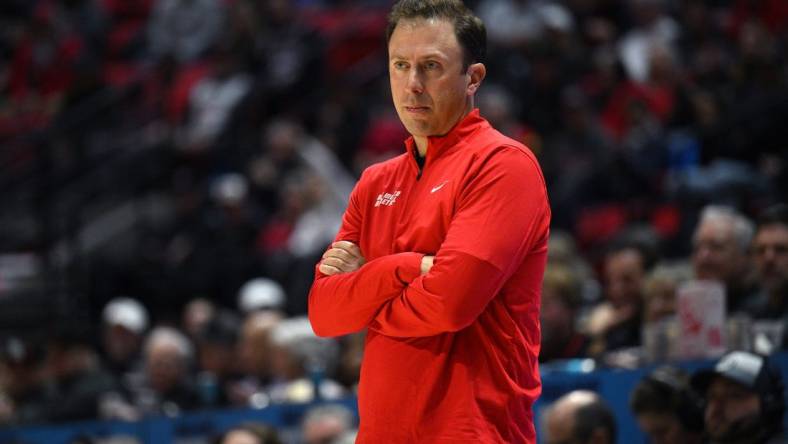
<point>422,141</point>
<point>421,145</point>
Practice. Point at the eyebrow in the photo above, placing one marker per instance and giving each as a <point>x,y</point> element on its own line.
<point>430,55</point>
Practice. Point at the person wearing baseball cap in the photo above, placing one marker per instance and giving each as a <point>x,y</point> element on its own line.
<point>744,400</point>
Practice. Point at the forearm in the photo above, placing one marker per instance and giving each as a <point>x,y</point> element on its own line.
<point>346,302</point>
<point>447,299</point>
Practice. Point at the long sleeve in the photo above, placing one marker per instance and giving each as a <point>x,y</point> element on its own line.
<point>345,303</point>
<point>502,214</point>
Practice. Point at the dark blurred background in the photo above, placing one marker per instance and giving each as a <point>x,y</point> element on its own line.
<point>171,151</point>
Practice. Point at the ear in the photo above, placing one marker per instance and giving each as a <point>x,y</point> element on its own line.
<point>476,73</point>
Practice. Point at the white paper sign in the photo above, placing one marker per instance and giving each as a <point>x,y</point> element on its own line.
<point>701,318</point>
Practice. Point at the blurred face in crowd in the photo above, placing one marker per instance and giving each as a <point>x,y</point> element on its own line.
<point>165,367</point>
<point>255,345</point>
<point>662,428</point>
<point>196,315</point>
<point>241,437</point>
<point>557,318</point>
<point>120,343</point>
<point>624,276</point>
<point>732,410</point>
<point>660,300</point>
<point>429,85</point>
<point>770,250</point>
<point>716,255</point>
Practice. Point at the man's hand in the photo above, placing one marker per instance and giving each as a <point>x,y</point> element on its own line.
<point>342,257</point>
<point>426,263</point>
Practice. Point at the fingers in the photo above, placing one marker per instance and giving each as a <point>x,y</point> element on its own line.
<point>342,257</point>
<point>340,254</point>
<point>349,247</point>
<point>328,269</point>
<point>426,263</point>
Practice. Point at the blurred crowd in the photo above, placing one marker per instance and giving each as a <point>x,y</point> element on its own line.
<point>739,401</point>
<point>180,165</point>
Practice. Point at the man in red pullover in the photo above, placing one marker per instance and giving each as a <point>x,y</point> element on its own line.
<point>441,253</point>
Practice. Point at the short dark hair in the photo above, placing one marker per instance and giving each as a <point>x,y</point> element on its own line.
<point>639,241</point>
<point>592,416</point>
<point>667,391</point>
<point>774,215</point>
<point>469,29</point>
<point>656,394</point>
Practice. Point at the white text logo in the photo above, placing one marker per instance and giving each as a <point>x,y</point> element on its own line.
<point>387,198</point>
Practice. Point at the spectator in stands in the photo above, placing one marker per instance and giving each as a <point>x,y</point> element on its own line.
<point>561,299</point>
<point>250,433</point>
<point>326,424</point>
<point>291,54</point>
<point>770,256</point>
<point>23,393</point>
<point>197,313</point>
<point>350,356</point>
<point>721,243</point>
<point>213,100</point>
<point>125,325</point>
<point>659,290</point>
<point>255,351</point>
<point>77,377</point>
<point>660,328</point>
<point>616,322</point>
<point>299,358</point>
<point>168,387</point>
<point>667,409</point>
<point>217,357</point>
<point>261,294</point>
<point>580,417</point>
<point>744,400</point>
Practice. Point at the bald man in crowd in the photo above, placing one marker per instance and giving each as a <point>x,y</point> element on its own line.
<point>579,417</point>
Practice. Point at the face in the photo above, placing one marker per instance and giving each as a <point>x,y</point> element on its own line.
<point>240,437</point>
<point>730,407</point>
<point>715,254</point>
<point>770,250</point>
<point>661,428</point>
<point>120,343</point>
<point>165,367</point>
<point>430,88</point>
<point>660,301</point>
<point>624,276</point>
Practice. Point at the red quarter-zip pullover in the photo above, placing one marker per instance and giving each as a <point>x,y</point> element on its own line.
<point>450,356</point>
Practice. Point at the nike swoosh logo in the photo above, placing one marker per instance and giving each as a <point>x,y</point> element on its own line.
<point>438,187</point>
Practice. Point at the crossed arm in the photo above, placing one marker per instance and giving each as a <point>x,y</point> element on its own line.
<point>501,216</point>
<point>345,257</point>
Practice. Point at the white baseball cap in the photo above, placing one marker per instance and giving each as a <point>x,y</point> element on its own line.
<point>260,294</point>
<point>127,313</point>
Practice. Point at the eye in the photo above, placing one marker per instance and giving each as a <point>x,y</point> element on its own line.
<point>431,65</point>
<point>400,65</point>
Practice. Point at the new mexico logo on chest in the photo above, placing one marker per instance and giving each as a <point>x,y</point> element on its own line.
<point>387,199</point>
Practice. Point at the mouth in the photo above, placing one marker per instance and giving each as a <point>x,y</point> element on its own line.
<point>417,109</point>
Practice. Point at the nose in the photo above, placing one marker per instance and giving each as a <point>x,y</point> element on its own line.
<point>415,83</point>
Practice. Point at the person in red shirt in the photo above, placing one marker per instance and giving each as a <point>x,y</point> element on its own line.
<point>441,253</point>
